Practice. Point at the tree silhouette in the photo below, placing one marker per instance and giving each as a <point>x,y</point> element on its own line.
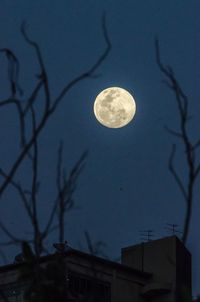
<point>191,159</point>
<point>42,279</point>
<point>29,142</point>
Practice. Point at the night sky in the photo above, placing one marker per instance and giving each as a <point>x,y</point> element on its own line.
<point>125,186</point>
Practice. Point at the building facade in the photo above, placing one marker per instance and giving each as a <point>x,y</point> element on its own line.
<point>158,270</point>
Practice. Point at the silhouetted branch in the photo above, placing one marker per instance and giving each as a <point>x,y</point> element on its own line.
<point>66,187</point>
<point>175,174</point>
<point>37,233</point>
<point>66,184</point>
<point>21,193</point>
<point>33,96</point>
<point>9,234</point>
<point>17,103</point>
<point>95,248</point>
<point>61,194</point>
<point>13,71</point>
<point>43,73</point>
<point>90,72</point>
<point>190,148</point>
<point>175,133</point>
<point>50,109</point>
<point>181,98</point>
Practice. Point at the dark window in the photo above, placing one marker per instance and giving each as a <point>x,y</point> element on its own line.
<point>86,289</point>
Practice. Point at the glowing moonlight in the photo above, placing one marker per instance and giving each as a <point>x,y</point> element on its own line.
<point>114,107</point>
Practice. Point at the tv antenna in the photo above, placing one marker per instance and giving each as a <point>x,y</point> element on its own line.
<point>146,235</point>
<point>172,228</point>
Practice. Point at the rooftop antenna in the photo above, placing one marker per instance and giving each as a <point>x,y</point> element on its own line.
<point>146,235</point>
<point>172,228</point>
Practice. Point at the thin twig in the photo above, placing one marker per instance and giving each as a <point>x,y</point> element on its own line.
<point>21,192</point>
<point>43,74</point>
<point>175,174</point>
<point>17,103</point>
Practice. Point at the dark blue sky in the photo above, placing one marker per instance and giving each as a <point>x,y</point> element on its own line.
<point>126,186</point>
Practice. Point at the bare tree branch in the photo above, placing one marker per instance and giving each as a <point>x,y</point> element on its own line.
<point>95,248</point>
<point>66,188</point>
<point>43,74</point>
<point>61,195</point>
<point>9,234</point>
<point>17,103</point>
<point>33,96</point>
<point>37,233</point>
<point>13,71</point>
<point>21,193</point>
<point>50,109</point>
<point>193,170</point>
<point>91,71</point>
<point>175,133</point>
<point>175,174</point>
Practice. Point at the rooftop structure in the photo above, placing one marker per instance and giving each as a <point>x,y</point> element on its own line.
<point>158,270</point>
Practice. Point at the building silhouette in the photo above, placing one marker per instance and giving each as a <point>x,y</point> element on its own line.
<point>158,270</point>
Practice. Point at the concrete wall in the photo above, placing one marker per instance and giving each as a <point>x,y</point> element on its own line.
<point>169,262</point>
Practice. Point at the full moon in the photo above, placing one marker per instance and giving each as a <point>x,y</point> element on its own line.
<point>114,107</point>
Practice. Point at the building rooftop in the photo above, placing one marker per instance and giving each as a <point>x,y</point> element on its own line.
<point>86,256</point>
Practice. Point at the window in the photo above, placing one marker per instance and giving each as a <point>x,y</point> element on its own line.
<point>83,288</point>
